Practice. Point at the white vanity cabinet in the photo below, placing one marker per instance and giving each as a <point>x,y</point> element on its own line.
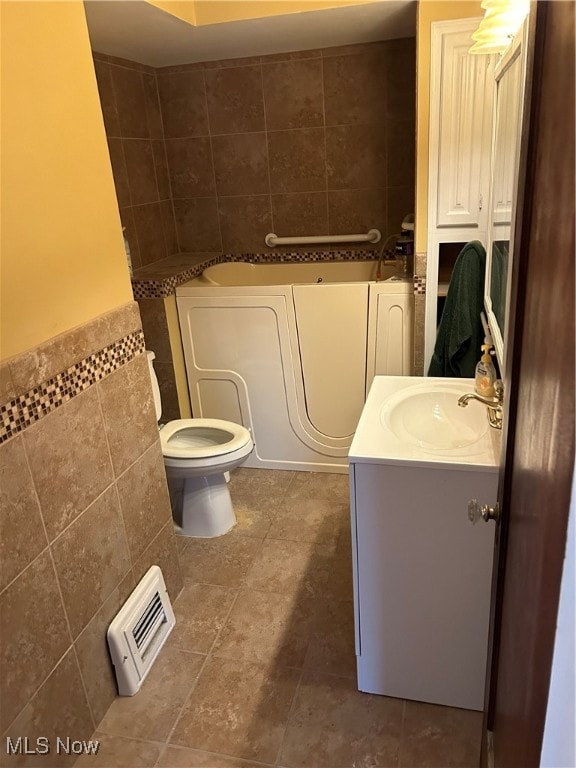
<point>461,108</point>
<point>422,571</point>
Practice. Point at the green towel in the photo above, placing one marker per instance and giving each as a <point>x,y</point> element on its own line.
<point>460,335</point>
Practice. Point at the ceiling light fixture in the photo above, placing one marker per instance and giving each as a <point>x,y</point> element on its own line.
<point>501,22</point>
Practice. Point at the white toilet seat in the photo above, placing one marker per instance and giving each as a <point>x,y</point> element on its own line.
<point>197,455</point>
<point>202,438</point>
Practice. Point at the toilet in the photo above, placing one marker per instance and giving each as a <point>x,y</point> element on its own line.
<point>198,454</point>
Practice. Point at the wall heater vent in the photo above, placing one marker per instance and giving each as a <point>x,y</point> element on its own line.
<point>139,631</point>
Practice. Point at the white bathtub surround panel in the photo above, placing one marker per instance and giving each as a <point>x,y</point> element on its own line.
<point>289,361</point>
<point>224,393</point>
<point>332,336</point>
<point>246,342</point>
<point>390,333</point>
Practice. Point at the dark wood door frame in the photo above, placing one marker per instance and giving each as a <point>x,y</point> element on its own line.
<point>537,476</point>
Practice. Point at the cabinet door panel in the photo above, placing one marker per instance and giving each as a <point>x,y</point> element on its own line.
<point>461,120</point>
<point>423,577</point>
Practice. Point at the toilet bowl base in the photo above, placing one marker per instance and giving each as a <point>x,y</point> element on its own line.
<point>205,508</point>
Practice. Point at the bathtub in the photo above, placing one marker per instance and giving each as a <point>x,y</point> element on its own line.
<point>290,351</point>
<point>242,273</point>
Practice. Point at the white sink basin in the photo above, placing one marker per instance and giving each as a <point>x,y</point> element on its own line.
<point>416,420</point>
<point>432,419</point>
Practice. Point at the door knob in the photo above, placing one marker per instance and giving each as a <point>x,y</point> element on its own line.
<point>477,512</point>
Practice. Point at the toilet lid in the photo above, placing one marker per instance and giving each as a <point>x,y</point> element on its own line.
<point>201,438</point>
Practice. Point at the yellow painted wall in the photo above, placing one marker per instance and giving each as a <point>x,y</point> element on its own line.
<point>62,255</point>
<point>216,11</point>
<point>183,9</point>
<point>429,11</point>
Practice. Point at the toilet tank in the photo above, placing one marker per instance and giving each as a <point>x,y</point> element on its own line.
<point>155,388</point>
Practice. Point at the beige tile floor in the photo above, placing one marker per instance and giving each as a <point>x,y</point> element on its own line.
<point>260,669</point>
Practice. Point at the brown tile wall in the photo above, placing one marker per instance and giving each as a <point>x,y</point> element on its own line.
<point>312,142</point>
<point>213,156</point>
<point>155,326</point>
<point>84,512</point>
<point>133,122</point>
<point>135,133</point>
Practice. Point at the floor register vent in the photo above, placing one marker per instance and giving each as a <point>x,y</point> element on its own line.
<point>139,631</point>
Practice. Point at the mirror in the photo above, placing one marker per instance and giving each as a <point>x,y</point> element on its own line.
<point>510,78</point>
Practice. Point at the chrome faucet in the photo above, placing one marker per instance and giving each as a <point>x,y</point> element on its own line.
<point>494,404</point>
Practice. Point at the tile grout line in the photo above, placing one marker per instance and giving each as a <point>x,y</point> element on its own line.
<point>37,497</point>
<point>401,737</point>
<point>116,100</point>
<point>63,604</point>
<point>26,568</point>
<point>71,635</point>
<point>133,738</point>
<point>257,552</point>
<point>49,545</point>
<point>99,496</point>
<point>171,196</point>
<point>33,696</point>
<point>48,549</point>
<point>84,688</point>
<point>264,111</point>
<point>115,484</point>
<point>210,655</point>
<point>329,52</point>
<point>290,711</point>
<point>325,147</point>
<point>282,498</point>
<point>379,187</point>
<point>207,658</point>
<point>196,750</point>
<point>241,760</point>
<point>216,195</point>
<point>64,530</point>
<point>271,130</point>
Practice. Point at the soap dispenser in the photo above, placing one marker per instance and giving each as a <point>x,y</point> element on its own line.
<point>485,374</point>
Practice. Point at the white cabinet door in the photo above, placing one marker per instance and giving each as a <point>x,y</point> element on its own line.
<point>422,581</point>
<point>461,104</point>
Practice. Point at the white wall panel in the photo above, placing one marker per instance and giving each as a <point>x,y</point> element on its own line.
<point>332,325</point>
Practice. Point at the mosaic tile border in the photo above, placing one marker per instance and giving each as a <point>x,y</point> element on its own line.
<point>419,286</point>
<point>161,288</point>
<point>164,287</point>
<point>20,413</point>
<point>275,257</point>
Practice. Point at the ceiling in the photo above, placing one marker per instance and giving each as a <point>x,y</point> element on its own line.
<point>136,30</point>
